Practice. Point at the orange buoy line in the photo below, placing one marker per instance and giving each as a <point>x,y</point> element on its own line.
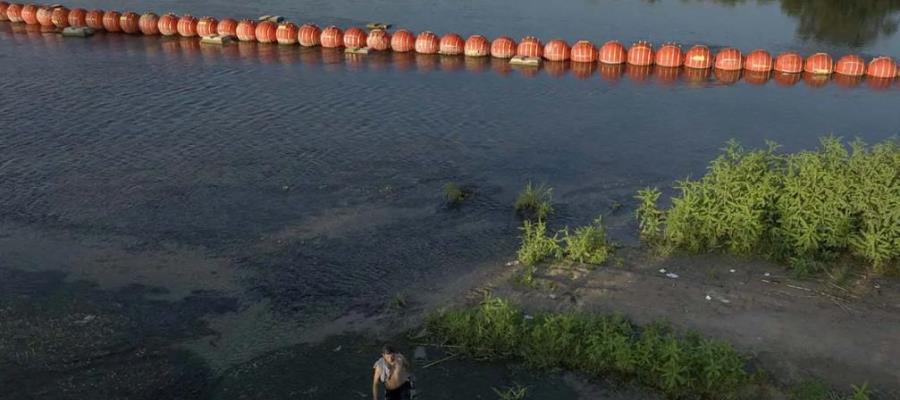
<point>757,65</point>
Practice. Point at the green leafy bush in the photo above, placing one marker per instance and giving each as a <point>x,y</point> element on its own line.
<point>536,245</point>
<point>535,202</point>
<point>587,245</point>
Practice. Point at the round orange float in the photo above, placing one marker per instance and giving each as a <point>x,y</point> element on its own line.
<point>149,24</point>
<point>332,37</point>
<point>882,67</point>
<point>613,52</point>
<point>640,54</point>
<point>451,44</point>
<point>729,59</point>
<point>246,30</point>
<point>557,50</point>
<point>227,27</point>
<point>265,32</point>
<point>403,41</point>
<point>308,35</point>
<point>187,25</point>
<point>44,16</point>
<point>530,46</point>
<point>286,33</point>
<point>94,19</point>
<point>669,56</point>
<point>168,24</point>
<point>14,12</point>
<point>583,51</point>
<point>3,7</point>
<point>850,65</point>
<point>503,47</point>
<point>77,17</point>
<point>427,43</point>
<point>379,39</point>
<point>758,61</point>
<point>819,63</point>
<point>129,22</point>
<point>60,17</point>
<point>29,14</point>
<point>355,38</point>
<point>698,57</point>
<point>789,63</point>
<point>477,46</point>
<point>207,26</point>
<point>111,21</point>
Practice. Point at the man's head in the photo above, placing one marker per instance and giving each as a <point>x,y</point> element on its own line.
<point>388,353</point>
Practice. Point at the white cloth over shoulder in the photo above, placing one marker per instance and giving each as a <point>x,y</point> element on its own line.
<point>385,369</point>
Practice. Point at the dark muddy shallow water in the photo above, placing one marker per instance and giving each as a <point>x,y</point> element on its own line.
<point>259,192</point>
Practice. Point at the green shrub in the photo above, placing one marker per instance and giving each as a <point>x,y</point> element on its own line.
<point>587,245</point>
<point>454,194</point>
<point>535,202</point>
<point>536,245</point>
<point>803,208</point>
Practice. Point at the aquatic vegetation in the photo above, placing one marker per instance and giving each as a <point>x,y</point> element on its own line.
<point>455,194</point>
<point>535,202</point>
<point>517,392</point>
<point>653,355</point>
<point>586,244</point>
<point>817,390</point>
<point>802,208</point>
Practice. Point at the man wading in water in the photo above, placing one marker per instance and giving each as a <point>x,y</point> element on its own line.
<point>392,370</point>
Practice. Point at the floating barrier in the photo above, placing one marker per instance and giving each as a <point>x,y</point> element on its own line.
<point>640,54</point>
<point>503,47</point>
<point>639,62</point>
<point>669,56</point>
<point>477,46</point>
<point>451,44</point>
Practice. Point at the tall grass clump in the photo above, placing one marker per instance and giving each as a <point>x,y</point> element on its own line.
<point>801,208</point>
<point>653,355</point>
<point>535,202</point>
<point>586,244</point>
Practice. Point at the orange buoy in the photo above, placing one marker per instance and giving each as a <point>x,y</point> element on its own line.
<point>451,44</point>
<point>227,27</point>
<point>477,46</point>
<point>583,51</point>
<point>756,77</point>
<point>3,7</point>
<point>29,14</point>
<point>111,20</point>
<point>379,39</point>
<point>729,59</point>
<point>789,62</point>
<point>246,30</point>
<point>149,24</point>
<point>168,24</point>
<point>129,22</point>
<point>819,63</point>
<point>187,25</point>
<point>286,33</point>
<point>787,79</point>
<point>77,17</point>
<point>60,17</point>
<point>727,76</point>
<point>14,12</point>
<point>94,19</point>
<point>332,37</point>
<point>613,52</point>
<point>758,61</point>
<point>850,65</point>
<point>355,38</point>
<point>207,26</point>
<point>557,50</point>
<point>669,56</point>
<point>403,41</point>
<point>698,57</point>
<point>640,54</point>
<point>44,16</point>
<point>308,35</point>
<point>503,47</point>
<point>265,32</point>
<point>530,46</point>
<point>427,43</point>
<point>882,67</point>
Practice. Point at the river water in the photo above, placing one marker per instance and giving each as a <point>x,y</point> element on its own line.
<point>218,207</point>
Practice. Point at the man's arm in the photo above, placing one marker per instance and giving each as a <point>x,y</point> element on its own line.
<point>375,380</point>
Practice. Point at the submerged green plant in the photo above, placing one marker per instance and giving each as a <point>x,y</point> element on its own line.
<point>455,194</point>
<point>517,392</point>
<point>587,245</point>
<point>535,202</point>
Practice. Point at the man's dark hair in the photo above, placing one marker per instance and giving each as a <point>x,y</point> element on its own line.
<point>388,349</point>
